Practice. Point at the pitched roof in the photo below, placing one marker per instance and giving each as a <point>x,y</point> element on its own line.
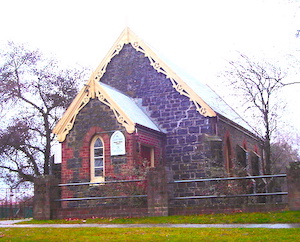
<point>206,93</point>
<point>130,107</point>
<point>125,109</point>
<point>212,99</point>
<point>207,102</point>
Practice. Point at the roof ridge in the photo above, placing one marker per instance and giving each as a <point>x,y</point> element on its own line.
<point>191,88</point>
<point>128,37</point>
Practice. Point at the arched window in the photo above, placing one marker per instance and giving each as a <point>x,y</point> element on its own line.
<point>97,160</point>
<point>228,155</point>
<point>241,157</point>
<point>255,163</point>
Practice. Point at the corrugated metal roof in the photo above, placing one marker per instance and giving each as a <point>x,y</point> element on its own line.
<point>130,107</point>
<point>206,93</point>
<point>214,100</point>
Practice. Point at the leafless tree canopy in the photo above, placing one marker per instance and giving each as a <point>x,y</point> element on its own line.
<point>34,92</point>
<point>282,153</point>
<point>259,83</point>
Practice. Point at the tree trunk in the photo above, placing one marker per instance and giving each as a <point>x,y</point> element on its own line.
<point>267,148</point>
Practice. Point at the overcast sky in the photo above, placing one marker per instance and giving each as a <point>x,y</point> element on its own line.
<point>198,35</point>
<point>82,31</point>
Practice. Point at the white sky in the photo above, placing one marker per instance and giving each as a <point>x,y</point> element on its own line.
<point>198,35</point>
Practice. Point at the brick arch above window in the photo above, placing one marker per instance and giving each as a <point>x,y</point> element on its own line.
<point>97,159</point>
<point>92,88</point>
<point>95,130</point>
<point>87,149</point>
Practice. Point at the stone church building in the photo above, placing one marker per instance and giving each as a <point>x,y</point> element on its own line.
<point>137,112</point>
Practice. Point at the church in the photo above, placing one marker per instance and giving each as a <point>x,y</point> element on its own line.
<point>137,111</point>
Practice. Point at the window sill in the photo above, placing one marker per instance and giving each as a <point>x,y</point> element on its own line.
<point>97,179</point>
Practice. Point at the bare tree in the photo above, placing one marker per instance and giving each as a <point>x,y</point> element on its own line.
<point>282,153</point>
<point>259,84</point>
<point>34,92</point>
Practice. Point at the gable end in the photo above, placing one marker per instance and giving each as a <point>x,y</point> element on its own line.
<point>128,37</point>
<point>94,90</point>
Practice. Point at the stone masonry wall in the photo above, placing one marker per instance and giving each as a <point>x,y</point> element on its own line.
<point>293,175</point>
<point>131,73</point>
<point>95,118</point>
<point>186,145</point>
<point>239,136</point>
<point>188,155</point>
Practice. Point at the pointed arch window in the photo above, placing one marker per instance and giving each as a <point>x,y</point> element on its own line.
<point>255,160</point>
<point>241,156</point>
<point>97,160</point>
<point>228,156</point>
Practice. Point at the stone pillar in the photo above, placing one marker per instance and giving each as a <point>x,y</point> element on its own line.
<point>45,191</point>
<point>158,202</point>
<point>293,183</point>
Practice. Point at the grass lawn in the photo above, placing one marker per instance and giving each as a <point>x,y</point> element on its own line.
<point>163,234</point>
<point>243,218</point>
<point>147,234</point>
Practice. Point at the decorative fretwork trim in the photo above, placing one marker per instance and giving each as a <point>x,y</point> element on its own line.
<point>121,116</point>
<point>93,89</point>
<point>180,86</point>
<point>66,123</point>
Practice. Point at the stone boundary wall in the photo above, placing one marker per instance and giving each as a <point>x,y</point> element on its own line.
<point>98,212</point>
<point>45,191</point>
<point>158,202</point>
<point>293,175</point>
<point>228,209</point>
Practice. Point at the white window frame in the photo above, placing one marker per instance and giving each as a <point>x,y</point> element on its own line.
<point>92,160</point>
